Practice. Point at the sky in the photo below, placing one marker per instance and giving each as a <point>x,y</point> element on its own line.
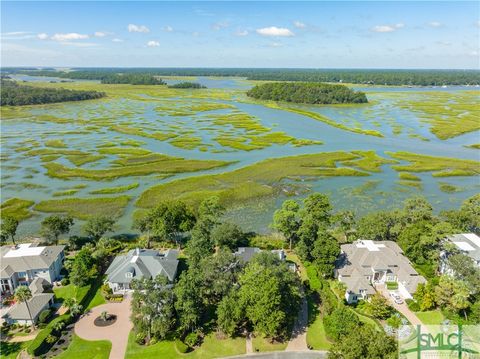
<point>341,34</point>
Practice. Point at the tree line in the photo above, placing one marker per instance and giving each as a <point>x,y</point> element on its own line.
<point>14,94</point>
<point>395,77</point>
<point>307,92</point>
<point>187,85</point>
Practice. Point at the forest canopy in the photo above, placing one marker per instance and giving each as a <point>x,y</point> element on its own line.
<point>13,94</point>
<point>307,92</point>
<point>187,85</point>
<point>392,77</point>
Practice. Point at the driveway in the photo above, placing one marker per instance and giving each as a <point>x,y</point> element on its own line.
<point>402,308</point>
<point>298,340</point>
<point>116,333</point>
<point>308,354</point>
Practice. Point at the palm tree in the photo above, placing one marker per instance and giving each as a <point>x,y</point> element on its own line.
<point>22,295</point>
<point>104,316</point>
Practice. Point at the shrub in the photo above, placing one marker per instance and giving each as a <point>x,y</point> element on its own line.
<point>413,305</point>
<point>192,339</point>
<point>181,346</point>
<point>43,317</point>
<point>65,281</point>
<point>39,345</point>
<point>140,338</point>
<point>394,321</point>
<point>153,341</point>
<point>51,339</point>
<point>392,285</point>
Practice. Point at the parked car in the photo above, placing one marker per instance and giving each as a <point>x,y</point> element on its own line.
<point>396,298</point>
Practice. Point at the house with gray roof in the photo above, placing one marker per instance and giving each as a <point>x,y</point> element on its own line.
<point>365,263</point>
<point>19,313</point>
<point>21,264</point>
<point>141,263</point>
<point>465,243</point>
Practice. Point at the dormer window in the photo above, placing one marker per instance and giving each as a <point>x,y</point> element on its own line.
<point>129,275</point>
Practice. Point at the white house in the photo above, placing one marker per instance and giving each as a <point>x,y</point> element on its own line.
<point>466,243</point>
<point>21,264</point>
<point>365,263</point>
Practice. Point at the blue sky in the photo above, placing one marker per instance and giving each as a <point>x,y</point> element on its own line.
<point>241,34</point>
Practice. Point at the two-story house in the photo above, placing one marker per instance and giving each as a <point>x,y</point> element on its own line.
<point>21,264</point>
<point>365,263</point>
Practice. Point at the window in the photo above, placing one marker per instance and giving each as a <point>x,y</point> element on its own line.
<point>22,274</point>
<point>129,275</point>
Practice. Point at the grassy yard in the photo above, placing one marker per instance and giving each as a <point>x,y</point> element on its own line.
<point>316,337</point>
<point>70,291</point>
<point>11,350</point>
<point>433,317</point>
<point>263,345</point>
<point>301,269</point>
<point>84,349</point>
<point>211,348</point>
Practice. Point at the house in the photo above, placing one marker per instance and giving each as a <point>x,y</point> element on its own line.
<point>21,264</point>
<point>141,263</point>
<point>245,254</point>
<point>19,313</point>
<point>466,243</point>
<point>365,263</point>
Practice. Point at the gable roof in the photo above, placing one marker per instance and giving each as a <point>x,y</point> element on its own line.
<point>143,263</point>
<point>361,258</point>
<point>38,285</point>
<point>36,304</point>
<point>27,256</point>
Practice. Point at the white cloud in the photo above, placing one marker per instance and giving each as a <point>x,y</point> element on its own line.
<point>137,28</point>
<point>100,34</point>
<point>299,25</point>
<point>276,44</point>
<point>387,28</point>
<point>117,40</point>
<point>168,28</point>
<point>17,35</point>
<point>69,36</point>
<point>275,31</point>
<point>78,44</point>
<point>42,36</point>
<point>153,43</point>
<point>435,24</point>
<point>220,25</point>
<point>444,43</point>
<point>241,33</point>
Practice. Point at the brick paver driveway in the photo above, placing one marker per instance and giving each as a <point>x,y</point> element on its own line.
<point>116,333</point>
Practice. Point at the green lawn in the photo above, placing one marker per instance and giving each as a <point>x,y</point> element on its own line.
<point>263,345</point>
<point>11,350</point>
<point>316,337</point>
<point>211,348</point>
<point>84,349</point>
<point>431,317</point>
<point>70,291</point>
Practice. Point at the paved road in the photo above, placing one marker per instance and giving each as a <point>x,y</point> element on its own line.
<point>308,354</point>
<point>116,333</point>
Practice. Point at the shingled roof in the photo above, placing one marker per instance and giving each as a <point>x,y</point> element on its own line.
<point>26,256</point>
<point>143,263</point>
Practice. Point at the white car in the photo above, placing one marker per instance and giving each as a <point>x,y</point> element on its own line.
<point>396,298</point>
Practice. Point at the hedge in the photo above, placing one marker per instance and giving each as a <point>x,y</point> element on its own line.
<point>181,346</point>
<point>39,345</point>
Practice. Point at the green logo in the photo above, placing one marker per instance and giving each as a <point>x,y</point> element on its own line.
<point>441,341</point>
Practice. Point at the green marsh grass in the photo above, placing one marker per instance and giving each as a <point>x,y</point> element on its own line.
<point>17,208</point>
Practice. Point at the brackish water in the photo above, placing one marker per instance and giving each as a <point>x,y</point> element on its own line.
<point>361,194</point>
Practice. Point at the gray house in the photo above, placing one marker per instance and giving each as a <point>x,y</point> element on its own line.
<point>40,301</point>
<point>21,264</point>
<point>141,263</point>
<point>366,263</point>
